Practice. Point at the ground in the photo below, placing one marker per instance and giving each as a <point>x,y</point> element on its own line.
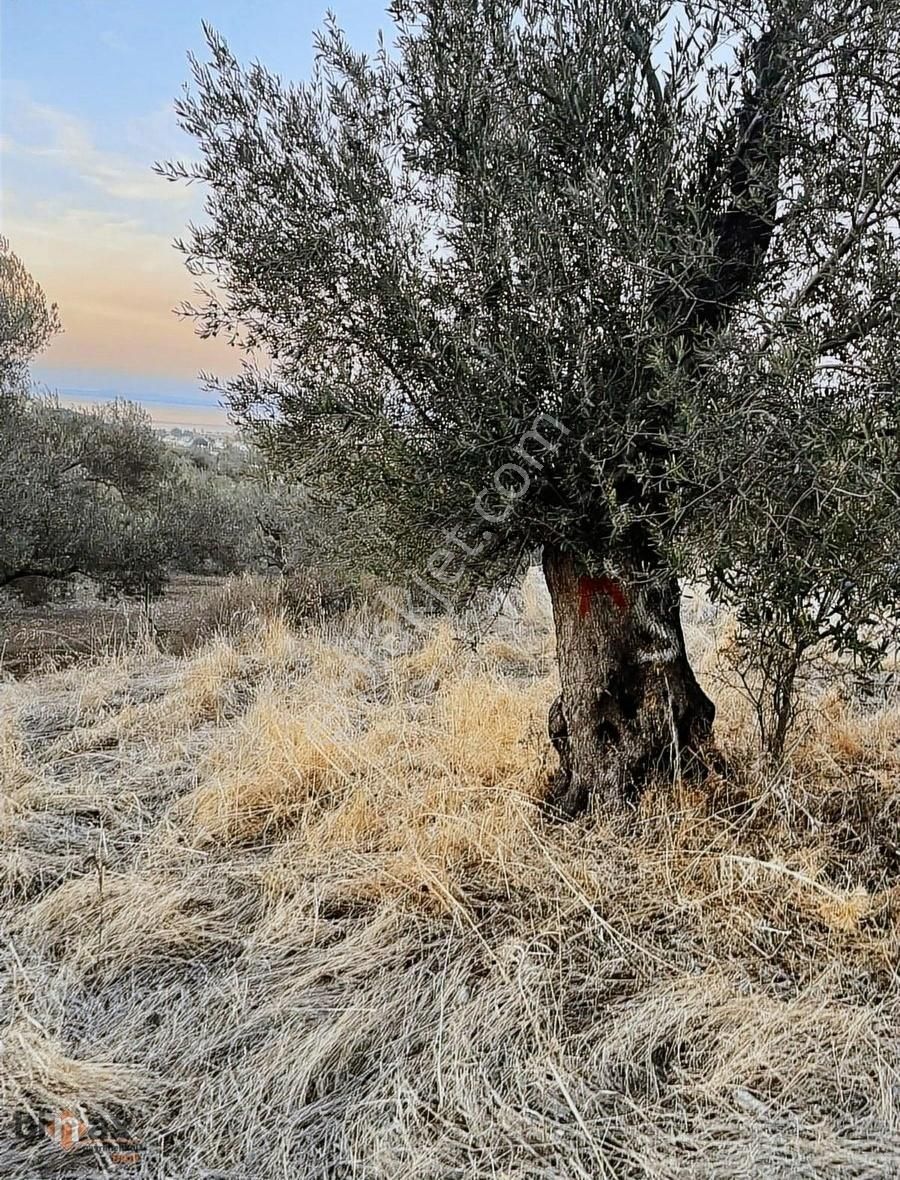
<point>288,906</point>
<point>68,631</point>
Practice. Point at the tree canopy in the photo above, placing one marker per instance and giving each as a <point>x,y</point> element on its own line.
<point>586,276</point>
<point>515,210</point>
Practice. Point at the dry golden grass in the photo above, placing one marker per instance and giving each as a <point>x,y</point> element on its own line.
<point>289,908</point>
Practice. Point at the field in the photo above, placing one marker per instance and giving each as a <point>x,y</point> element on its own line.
<point>64,633</point>
<point>287,906</point>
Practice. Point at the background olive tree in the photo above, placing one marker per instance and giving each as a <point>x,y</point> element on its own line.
<point>523,274</point>
<point>78,495</point>
<point>27,321</point>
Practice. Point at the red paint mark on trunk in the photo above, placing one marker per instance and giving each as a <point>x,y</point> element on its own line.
<point>588,587</point>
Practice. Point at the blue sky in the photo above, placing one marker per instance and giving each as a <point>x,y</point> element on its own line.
<point>86,91</point>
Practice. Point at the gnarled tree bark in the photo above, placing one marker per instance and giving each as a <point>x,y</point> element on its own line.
<point>630,708</point>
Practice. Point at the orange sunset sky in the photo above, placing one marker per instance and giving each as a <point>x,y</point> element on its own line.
<point>86,93</point>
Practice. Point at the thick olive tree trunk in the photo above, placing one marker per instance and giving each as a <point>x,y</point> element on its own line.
<point>630,708</point>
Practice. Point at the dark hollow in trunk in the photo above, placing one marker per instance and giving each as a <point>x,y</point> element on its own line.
<point>630,708</point>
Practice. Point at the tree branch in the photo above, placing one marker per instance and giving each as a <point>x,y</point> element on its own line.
<point>860,223</point>
<point>742,233</point>
<point>861,325</point>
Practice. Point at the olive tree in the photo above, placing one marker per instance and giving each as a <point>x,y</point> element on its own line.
<point>211,522</point>
<point>78,495</point>
<point>27,321</point>
<point>511,270</point>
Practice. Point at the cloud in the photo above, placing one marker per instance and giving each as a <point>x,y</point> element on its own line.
<point>95,228</point>
<point>66,141</point>
<point>116,284</point>
<point>157,136</point>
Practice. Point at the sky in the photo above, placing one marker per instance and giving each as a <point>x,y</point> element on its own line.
<point>86,93</point>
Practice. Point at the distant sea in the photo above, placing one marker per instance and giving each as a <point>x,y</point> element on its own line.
<point>168,407</point>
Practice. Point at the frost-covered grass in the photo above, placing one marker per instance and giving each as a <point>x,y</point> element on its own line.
<point>288,907</point>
